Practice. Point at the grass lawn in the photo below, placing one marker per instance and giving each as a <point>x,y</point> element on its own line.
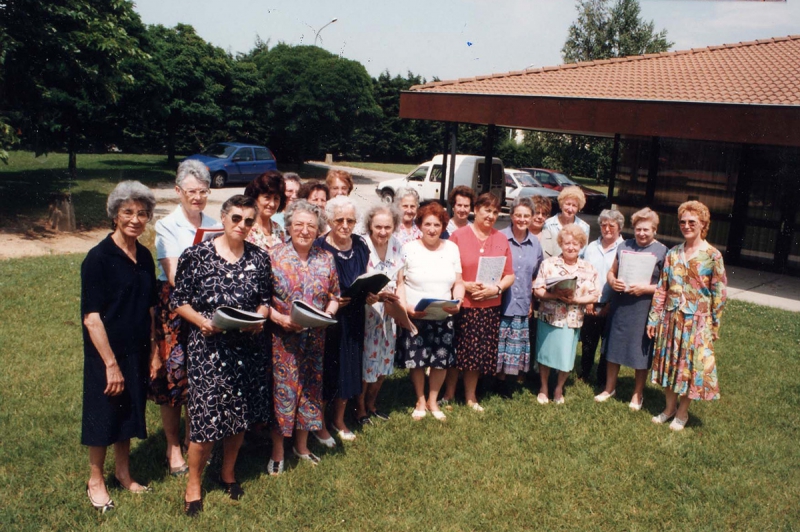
<point>27,182</point>
<point>581,466</point>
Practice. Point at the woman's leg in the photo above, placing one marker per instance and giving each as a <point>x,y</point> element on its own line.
<point>451,381</point>
<point>435,382</point>
<point>277,445</point>
<point>171,420</point>
<point>361,407</point>
<point>418,380</point>
<point>638,387</point>
<point>683,407</point>
<point>198,455</point>
<point>339,409</point>
<point>372,393</point>
<point>301,441</point>
<point>97,481</point>
<point>122,464</point>
<point>230,451</point>
<point>612,374</point>
<point>558,393</point>
<point>544,376</point>
<point>471,386</point>
<point>672,402</point>
<point>323,433</point>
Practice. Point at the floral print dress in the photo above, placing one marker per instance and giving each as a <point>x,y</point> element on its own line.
<point>686,311</point>
<point>265,240</point>
<point>380,329</point>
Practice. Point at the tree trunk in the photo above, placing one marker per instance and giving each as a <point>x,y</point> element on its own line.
<point>73,158</point>
<point>170,144</point>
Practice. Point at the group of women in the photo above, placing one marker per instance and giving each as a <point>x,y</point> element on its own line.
<point>459,305</point>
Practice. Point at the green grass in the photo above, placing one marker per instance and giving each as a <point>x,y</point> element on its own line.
<point>591,183</point>
<point>395,168</point>
<point>582,466</point>
<point>27,182</point>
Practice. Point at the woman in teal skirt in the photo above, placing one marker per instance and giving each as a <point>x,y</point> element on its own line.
<point>561,310</point>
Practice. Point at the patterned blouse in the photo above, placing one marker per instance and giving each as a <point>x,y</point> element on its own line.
<point>404,236</point>
<point>264,240</point>
<point>555,312</point>
<point>695,287</point>
<point>315,283</point>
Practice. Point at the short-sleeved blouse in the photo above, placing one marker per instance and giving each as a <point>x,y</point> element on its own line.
<point>174,233</point>
<point>470,249</point>
<point>430,274</point>
<point>404,236</point>
<point>266,240</point>
<point>556,312</point>
<point>527,258</point>
<point>315,283</point>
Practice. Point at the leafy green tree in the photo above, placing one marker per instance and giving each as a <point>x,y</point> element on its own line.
<point>62,65</point>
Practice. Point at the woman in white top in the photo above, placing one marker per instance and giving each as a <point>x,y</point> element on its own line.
<point>570,200</point>
<point>432,270</point>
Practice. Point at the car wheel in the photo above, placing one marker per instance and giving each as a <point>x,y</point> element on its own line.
<point>387,195</point>
<point>218,180</point>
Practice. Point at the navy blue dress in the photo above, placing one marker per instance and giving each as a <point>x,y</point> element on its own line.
<point>344,342</point>
<point>122,292</point>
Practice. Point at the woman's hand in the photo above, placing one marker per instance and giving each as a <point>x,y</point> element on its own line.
<point>563,294</point>
<point>637,289</point>
<point>651,331</point>
<point>254,329</point>
<point>472,287</point>
<point>589,310</point>
<point>372,299</point>
<point>343,301</point>
<point>617,285</point>
<point>115,382</point>
<point>452,309</point>
<point>284,321</point>
<point>156,364</point>
<point>388,297</point>
<point>417,315</point>
<point>207,328</point>
<point>485,292</point>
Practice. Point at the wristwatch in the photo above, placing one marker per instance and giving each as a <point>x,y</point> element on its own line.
<point>499,290</point>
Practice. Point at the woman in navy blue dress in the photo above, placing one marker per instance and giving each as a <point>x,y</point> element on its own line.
<point>118,296</point>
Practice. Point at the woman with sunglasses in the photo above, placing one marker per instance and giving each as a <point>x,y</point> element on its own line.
<point>229,374</point>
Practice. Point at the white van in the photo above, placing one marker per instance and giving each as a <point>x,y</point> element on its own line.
<point>427,180</point>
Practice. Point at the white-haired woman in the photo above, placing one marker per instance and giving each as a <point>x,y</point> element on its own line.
<point>344,342</point>
<point>407,202</point>
<point>118,297</point>
<point>174,233</point>
<point>570,200</point>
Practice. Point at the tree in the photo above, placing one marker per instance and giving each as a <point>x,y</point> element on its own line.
<point>62,66</point>
<point>603,31</point>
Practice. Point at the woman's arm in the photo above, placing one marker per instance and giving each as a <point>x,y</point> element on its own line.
<point>205,325</point>
<point>493,290</point>
<point>155,360</point>
<point>169,265</point>
<point>457,293</point>
<point>612,280</point>
<point>719,294</point>
<point>401,294</point>
<point>115,383</point>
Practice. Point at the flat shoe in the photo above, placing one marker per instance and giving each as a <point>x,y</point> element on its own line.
<point>104,507</point>
<point>678,423</point>
<point>345,435</point>
<point>636,406</point>
<point>662,418</point>
<point>559,401</point>
<point>605,396</point>
<point>416,415</point>
<point>542,399</point>
<point>438,414</point>
<point>178,471</point>
<point>328,442</point>
<point>232,489</point>
<point>274,468</point>
<point>476,407</point>
<point>310,457</point>
<point>145,489</point>
<point>192,508</point>
<point>364,420</point>
<point>380,415</point>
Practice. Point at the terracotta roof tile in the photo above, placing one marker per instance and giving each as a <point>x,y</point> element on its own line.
<point>766,72</point>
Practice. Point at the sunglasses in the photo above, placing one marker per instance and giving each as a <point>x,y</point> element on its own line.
<point>237,219</point>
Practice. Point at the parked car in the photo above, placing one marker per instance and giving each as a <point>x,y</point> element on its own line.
<point>521,184</point>
<point>233,162</point>
<point>595,201</point>
<point>427,180</point>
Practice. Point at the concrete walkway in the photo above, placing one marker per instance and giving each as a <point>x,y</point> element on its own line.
<point>764,288</point>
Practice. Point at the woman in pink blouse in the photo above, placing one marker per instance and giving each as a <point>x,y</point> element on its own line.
<point>269,191</point>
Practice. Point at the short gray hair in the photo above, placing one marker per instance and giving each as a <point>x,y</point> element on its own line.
<point>291,176</point>
<point>612,215</point>
<point>522,202</point>
<point>339,202</point>
<point>403,192</point>
<point>130,191</point>
<point>373,211</point>
<point>301,205</point>
<point>192,168</point>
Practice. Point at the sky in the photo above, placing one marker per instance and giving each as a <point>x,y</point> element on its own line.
<point>452,39</point>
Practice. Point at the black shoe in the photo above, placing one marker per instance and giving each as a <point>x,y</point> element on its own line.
<point>364,420</point>
<point>380,415</point>
<point>233,489</point>
<point>192,508</point>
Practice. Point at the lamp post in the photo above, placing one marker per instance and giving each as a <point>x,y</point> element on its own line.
<point>316,33</point>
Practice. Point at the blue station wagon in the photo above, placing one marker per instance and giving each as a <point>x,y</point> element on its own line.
<point>233,162</point>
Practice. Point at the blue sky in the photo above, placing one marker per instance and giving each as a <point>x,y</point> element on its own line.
<point>455,38</point>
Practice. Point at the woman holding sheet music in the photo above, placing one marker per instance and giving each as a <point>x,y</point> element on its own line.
<point>229,374</point>
<point>307,273</point>
<point>478,326</point>
<point>627,343</point>
<point>561,309</point>
<point>431,270</point>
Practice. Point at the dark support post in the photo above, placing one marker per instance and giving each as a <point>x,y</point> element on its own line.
<point>486,178</point>
<point>741,197</point>
<point>444,186</point>
<point>453,137</point>
<point>612,174</point>
<point>652,171</point>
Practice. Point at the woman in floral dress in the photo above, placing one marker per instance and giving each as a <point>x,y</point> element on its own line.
<point>269,191</point>
<point>685,318</point>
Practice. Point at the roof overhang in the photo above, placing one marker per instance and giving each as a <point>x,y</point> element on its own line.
<point>723,122</point>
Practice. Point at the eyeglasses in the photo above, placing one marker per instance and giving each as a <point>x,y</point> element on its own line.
<point>237,219</point>
<point>129,214</point>
<point>688,223</point>
<point>201,192</point>
<point>342,221</point>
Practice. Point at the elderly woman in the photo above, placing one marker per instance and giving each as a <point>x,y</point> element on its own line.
<point>268,190</point>
<point>627,343</point>
<point>685,318</point>
<point>407,202</point>
<point>307,273</point>
<point>461,200</point>
<point>380,339</point>
<point>541,211</point>
<point>478,326</point>
<point>229,374</point>
<point>561,310</point>
<point>570,200</point>
<point>339,182</point>
<point>344,342</point>
<point>292,184</point>
<point>431,270</point>
<point>174,233</point>
<point>514,350</point>
<point>315,193</point>
<point>599,254</point>
<point>118,296</point>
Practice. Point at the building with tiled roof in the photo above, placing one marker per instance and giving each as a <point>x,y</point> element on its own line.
<point>719,124</point>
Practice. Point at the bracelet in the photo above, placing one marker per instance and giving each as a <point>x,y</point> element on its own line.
<point>499,290</point>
